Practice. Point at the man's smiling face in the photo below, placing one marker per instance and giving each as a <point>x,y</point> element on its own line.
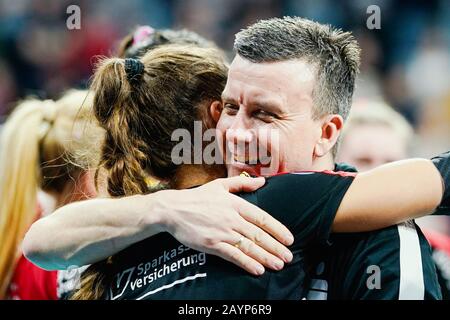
<point>262,98</point>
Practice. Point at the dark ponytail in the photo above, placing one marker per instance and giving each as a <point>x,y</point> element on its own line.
<point>123,154</point>
<point>140,103</point>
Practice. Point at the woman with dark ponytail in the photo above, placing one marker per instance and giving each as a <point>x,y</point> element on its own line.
<point>132,101</point>
<point>140,103</point>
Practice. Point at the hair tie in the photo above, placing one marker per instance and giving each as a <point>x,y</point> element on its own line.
<point>134,69</point>
<point>49,111</point>
<point>48,118</point>
<point>142,33</point>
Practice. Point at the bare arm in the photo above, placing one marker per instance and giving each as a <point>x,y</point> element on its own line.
<point>388,195</point>
<point>208,218</point>
<point>84,232</point>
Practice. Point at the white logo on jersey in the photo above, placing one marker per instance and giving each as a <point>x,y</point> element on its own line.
<point>69,280</point>
<point>119,278</point>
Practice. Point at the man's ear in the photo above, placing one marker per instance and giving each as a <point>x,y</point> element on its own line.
<point>215,109</point>
<point>331,129</point>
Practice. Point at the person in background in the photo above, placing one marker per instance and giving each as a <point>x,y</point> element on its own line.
<point>38,144</point>
<point>145,38</point>
<point>376,134</point>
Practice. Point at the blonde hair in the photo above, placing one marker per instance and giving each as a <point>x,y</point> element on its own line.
<point>36,144</point>
<point>379,113</point>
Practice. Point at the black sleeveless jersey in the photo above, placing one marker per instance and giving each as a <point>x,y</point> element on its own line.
<point>162,268</point>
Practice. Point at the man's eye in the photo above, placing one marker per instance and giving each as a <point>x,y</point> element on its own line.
<point>264,114</point>
<point>231,108</point>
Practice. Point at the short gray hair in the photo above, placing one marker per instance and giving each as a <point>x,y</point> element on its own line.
<point>334,53</point>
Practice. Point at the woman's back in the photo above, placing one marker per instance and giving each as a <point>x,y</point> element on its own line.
<point>160,267</point>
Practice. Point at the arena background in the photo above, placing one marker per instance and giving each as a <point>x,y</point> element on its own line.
<point>405,62</point>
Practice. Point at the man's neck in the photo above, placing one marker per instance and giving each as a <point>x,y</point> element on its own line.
<point>191,175</point>
<point>323,163</point>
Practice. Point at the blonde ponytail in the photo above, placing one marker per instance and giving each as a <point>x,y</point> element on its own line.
<point>19,180</point>
<point>38,149</point>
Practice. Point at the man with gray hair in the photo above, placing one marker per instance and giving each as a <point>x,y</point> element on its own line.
<point>298,77</point>
<point>294,77</point>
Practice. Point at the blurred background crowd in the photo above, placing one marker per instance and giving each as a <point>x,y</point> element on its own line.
<point>401,105</point>
<point>405,63</point>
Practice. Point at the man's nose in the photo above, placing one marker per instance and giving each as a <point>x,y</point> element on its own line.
<point>241,130</point>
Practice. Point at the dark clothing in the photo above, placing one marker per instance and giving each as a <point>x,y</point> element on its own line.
<point>391,263</point>
<point>162,268</point>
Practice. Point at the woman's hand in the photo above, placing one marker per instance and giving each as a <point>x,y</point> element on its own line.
<point>212,219</point>
<point>208,218</point>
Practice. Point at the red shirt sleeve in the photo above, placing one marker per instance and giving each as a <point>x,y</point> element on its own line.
<point>32,283</point>
<point>437,240</point>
